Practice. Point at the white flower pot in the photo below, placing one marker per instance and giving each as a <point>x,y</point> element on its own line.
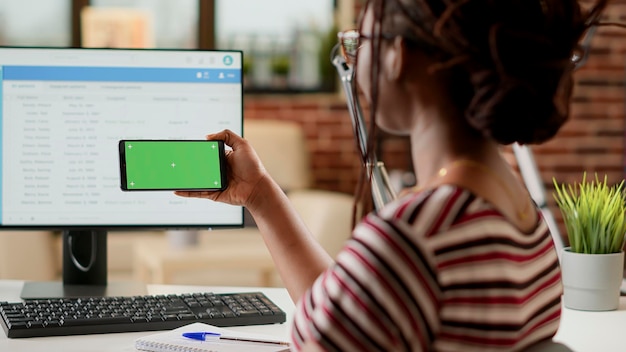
<point>591,281</point>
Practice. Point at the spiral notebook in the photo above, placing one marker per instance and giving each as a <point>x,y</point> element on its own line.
<point>232,341</point>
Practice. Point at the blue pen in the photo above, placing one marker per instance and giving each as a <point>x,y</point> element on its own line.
<point>204,335</point>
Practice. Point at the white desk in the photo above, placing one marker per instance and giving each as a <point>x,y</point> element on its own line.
<point>581,331</point>
<point>10,291</point>
<point>594,331</point>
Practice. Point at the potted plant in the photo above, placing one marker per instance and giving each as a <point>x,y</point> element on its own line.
<point>328,73</point>
<point>247,71</point>
<point>592,266</point>
<point>280,68</point>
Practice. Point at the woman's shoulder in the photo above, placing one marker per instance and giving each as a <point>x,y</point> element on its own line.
<point>450,209</point>
<point>433,201</point>
<point>423,211</point>
<point>439,208</point>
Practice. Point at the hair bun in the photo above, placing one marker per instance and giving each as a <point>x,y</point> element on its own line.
<point>515,110</point>
<point>518,88</point>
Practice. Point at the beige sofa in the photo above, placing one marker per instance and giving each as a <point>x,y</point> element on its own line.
<point>281,146</point>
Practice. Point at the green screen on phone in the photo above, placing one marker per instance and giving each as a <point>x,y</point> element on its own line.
<point>171,165</point>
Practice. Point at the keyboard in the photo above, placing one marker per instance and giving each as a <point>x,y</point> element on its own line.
<point>97,315</point>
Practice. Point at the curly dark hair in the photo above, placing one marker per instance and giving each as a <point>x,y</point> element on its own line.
<point>509,62</point>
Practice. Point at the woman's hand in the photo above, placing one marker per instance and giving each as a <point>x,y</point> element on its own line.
<point>244,172</point>
<point>299,258</point>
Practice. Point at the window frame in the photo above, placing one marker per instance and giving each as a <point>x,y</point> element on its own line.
<point>206,19</point>
<point>344,15</point>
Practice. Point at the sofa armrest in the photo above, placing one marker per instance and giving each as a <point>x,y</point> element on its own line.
<point>327,214</point>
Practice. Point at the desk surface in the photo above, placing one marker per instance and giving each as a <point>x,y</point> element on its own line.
<point>594,331</point>
<point>10,291</point>
<point>581,331</point>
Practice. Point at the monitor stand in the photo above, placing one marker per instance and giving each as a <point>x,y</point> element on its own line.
<point>84,271</point>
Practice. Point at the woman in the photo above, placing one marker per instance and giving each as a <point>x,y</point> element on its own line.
<point>463,262</point>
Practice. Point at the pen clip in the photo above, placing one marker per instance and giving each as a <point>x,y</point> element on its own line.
<point>202,336</point>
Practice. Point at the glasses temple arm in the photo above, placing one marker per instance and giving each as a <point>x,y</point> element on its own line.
<point>585,45</point>
<point>382,190</point>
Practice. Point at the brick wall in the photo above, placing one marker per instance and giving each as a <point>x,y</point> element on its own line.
<point>593,139</point>
<point>328,129</point>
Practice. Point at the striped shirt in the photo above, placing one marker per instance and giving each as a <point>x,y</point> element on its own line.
<point>440,270</point>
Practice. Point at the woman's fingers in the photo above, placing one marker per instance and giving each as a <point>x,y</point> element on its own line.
<point>230,138</point>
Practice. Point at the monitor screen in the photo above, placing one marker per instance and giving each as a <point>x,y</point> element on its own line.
<point>63,112</point>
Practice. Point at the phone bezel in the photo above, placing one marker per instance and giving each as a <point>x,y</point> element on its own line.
<point>122,164</point>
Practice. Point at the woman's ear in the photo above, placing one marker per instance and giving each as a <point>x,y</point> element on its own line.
<point>396,59</point>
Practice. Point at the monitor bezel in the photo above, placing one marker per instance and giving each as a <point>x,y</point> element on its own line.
<point>133,227</point>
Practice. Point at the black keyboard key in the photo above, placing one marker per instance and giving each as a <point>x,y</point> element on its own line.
<point>247,313</point>
<point>35,324</point>
<point>187,316</point>
<point>52,323</point>
<point>18,325</point>
<point>95,321</point>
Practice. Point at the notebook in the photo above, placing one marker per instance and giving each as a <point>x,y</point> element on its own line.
<point>174,341</point>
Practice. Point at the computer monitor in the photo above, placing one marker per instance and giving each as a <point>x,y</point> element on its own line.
<point>63,112</point>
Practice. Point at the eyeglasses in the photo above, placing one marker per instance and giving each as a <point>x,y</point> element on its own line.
<point>350,42</point>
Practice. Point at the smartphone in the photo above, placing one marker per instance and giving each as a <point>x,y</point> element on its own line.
<point>167,165</point>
